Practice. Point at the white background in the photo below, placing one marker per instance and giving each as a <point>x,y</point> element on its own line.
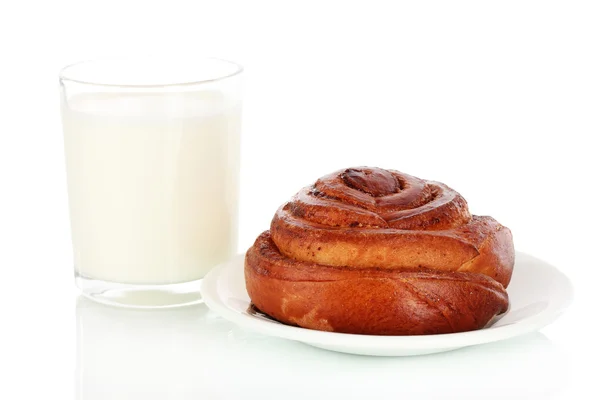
<point>500,100</point>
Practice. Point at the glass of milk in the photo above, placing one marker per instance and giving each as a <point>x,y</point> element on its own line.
<point>152,157</point>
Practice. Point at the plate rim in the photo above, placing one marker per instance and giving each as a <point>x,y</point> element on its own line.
<point>556,306</point>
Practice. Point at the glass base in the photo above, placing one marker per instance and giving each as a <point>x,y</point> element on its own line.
<point>140,296</point>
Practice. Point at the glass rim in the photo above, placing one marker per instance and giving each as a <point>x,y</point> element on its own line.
<point>63,76</point>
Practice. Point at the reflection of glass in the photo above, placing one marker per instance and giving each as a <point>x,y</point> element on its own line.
<point>189,353</point>
<point>132,354</point>
<point>152,155</point>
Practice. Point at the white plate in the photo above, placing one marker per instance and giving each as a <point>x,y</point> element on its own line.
<point>538,294</point>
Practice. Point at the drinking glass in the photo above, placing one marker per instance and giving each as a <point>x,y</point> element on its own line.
<point>152,157</point>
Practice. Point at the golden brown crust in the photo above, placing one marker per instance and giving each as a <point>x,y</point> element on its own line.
<point>368,301</point>
<point>400,254</point>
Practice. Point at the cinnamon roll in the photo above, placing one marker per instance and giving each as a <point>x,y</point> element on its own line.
<point>374,251</point>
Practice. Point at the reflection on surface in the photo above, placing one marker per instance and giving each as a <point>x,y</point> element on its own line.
<point>190,353</point>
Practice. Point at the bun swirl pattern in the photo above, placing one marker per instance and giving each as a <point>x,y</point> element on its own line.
<point>372,251</point>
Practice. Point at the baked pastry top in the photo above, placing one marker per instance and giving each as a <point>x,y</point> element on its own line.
<point>374,251</point>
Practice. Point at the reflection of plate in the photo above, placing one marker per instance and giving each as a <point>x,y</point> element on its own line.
<point>538,294</point>
<point>190,353</point>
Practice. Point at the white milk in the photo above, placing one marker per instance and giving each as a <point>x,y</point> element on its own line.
<point>153,184</point>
